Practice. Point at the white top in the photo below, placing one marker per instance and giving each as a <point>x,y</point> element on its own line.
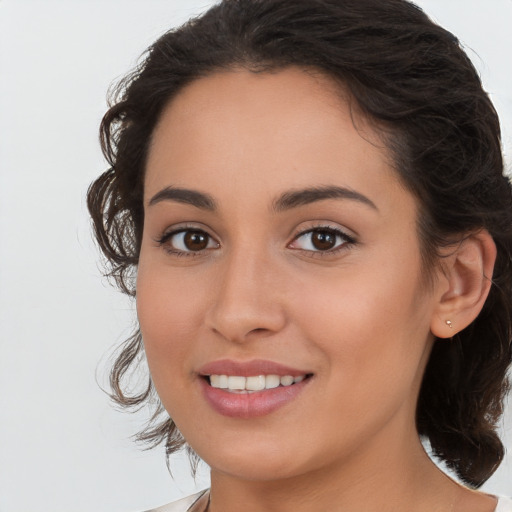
<point>197,503</point>
<point>504,505</point>
<point>194,503</point>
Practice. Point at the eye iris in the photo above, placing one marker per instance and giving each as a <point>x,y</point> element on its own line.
<point>323,240</point>
<point>195,240</point>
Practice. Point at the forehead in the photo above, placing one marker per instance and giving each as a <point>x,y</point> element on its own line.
<point>243,131</point>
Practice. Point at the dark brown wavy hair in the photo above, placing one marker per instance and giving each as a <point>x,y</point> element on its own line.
<point>412,79</point>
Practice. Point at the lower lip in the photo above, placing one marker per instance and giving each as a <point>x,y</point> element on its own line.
<point>251,405</point>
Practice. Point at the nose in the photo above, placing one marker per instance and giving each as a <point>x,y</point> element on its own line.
<point>247,302</point>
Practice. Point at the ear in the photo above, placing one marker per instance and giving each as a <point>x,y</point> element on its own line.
<point>463,284</point>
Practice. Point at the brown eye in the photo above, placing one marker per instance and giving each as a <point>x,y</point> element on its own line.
<point>195,240</point>
<point>187,241</point>
<point>323,240</point>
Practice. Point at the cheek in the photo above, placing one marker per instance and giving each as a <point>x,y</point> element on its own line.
<point>373,351</point>
<point>169,315</point>
<point>168,306</point>
<point>168,330</point>
<point>370,322</point>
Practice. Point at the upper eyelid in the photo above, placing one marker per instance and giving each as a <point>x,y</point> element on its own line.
<point>180,228</point>
<point>348,241</point>
<point>163,241</point>
<point>327,227</point>
<point>173,230</point>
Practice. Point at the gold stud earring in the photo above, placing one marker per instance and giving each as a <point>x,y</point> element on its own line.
<point>449,324</point>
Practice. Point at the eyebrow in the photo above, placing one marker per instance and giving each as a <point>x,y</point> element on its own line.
<point>295,198</point>
<point>286,201</point>
<point>186,196</point>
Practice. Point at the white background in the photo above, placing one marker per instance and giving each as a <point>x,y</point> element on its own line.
<point>62,446</point>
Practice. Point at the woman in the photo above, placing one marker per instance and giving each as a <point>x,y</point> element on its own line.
<point>308,200</point>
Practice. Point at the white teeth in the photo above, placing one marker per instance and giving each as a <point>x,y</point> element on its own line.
<point>253,383</point>
<point>215,380</point>
<point>223,381</point>
<point>272,381</point>
<point>235,382</point>
<point>286,380</point>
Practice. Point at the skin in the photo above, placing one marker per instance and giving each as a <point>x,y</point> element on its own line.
<point>358,317</point>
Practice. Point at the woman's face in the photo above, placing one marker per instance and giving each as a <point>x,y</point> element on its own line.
<point>280,249</point>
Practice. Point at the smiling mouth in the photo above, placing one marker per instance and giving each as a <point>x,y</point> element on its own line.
<point>252,384</point>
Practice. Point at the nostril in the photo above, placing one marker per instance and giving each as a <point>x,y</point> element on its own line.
<point>259,330</point>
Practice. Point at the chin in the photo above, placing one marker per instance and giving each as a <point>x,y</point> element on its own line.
<point>257,470</point>
<point>264,460</point>
<point>252,460</point>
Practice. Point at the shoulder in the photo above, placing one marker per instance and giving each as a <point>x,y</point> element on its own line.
<point>194,503</point>
<point>504,505</point>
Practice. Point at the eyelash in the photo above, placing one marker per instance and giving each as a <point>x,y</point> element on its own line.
<point>164,241</point>
<point>348,241</point>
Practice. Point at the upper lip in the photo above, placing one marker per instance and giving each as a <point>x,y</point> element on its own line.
<point>249,368</point>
